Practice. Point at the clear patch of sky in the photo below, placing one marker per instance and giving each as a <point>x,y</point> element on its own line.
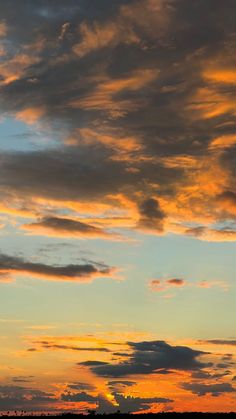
<point>16,135</point>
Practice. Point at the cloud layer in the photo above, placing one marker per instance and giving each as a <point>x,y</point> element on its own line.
<point>145,137</point>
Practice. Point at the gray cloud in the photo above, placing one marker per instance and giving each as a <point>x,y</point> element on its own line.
<point>137,404</point>
<point>93,363</point>
<point>67,227</point>
<point>212,389</point>
<point>230,342</point>
<point>152,357</point>
<point>21,398</point>
<point>151,215</point>
<point>11,265</point>
<point>125,403</point>
<point>50,345</point>
<point>81,386</point>
<point>78,397</point>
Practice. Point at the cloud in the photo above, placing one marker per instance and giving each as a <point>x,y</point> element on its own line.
<point>81,386</point>
<point>140,105</point>
<point>11,266</point>
<point>66,227</point>
<point>215,235</point>
<point>160,285</point>
<point>78,397</point>
<point>51,345</point>
<point>163,285</point>
<point>214,390</point>
<point>227,200</point>
<point>124,383</point>
<point>137,404</point>
<point>104,96</point>
<point>21,398</point>
<point>151,215</point>
<point>228,342</point>
<point>3,29</point>
<point>213,375</point>
<point>150,357</point>
<point>124,404</point>
<point>93,363</point>
<point>23,379</point>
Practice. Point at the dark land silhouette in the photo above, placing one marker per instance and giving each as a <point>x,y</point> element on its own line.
<point>166,415</point>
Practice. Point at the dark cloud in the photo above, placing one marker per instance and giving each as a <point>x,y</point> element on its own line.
<point>93,363</point>
<point>66,227</point>
<point>23,379</point>
<point>151,214</point>
<point>118,385</point>
<point>151,357</point>
<point>125,403</point>
<point>198,375</point>
<point>78,397</point>
<point>224,365</point>
<point>230,342</point>
<point>50,345</point>
<point>125,383</point>
<point>81,386</point>
<point>12,265</point>
<point>176,282</point>
<point>212,389</point>
<point>137,404</point>
<point>21,398</point>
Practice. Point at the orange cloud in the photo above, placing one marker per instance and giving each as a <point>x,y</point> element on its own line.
<point>14,68</point>
<point>163,285</point>
<point>227,76</point>
<point>3,29</point>
<point>227,200</point>
<point>124,145</point>
<point>30,115</point>
<point>102,97</point>
<point>98,36</point>
<point>160,285</point>
<point>222,142</point>
<point>209,103</point>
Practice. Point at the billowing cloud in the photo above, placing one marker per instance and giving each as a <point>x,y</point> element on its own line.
<point>137,404</point>
<point>150,357</point>
<point>151,215</point>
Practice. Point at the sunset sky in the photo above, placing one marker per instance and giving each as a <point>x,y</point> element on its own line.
<point>118,205</point>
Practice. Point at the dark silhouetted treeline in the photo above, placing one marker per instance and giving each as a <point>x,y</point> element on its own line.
<point>165,415</point>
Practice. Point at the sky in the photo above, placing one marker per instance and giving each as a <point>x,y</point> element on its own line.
<point>117,205</point>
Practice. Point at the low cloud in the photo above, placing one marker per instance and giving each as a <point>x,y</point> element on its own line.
<point>151,357</point>
<point>214,390</point>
